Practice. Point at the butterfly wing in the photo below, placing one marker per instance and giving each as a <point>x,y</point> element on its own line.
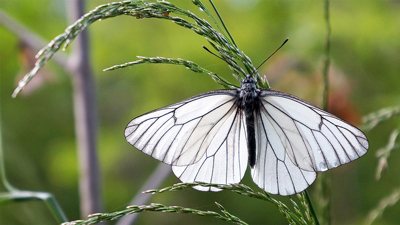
<point>180,134</point>
<point>295,139</point>
<point>225,165</point>
<point>203,137</point>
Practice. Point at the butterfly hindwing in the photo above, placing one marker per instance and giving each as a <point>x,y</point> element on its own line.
<point>224,165</point>
<point>274,171</point>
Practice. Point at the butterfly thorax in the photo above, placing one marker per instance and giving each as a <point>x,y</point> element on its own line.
<point>248,101</point>
<point>248,95</point>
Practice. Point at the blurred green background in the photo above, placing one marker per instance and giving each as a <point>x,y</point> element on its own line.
<point>37,126</point>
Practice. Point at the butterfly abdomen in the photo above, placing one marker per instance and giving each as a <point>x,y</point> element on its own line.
<point>248,101</point>
<point>251,140</point>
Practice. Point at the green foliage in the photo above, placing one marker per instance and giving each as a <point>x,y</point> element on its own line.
<point>364,48</point>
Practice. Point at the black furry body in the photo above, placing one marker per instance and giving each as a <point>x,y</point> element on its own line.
<point>249,102</point>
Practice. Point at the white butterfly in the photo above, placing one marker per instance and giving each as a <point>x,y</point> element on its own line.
<point>212,137</point>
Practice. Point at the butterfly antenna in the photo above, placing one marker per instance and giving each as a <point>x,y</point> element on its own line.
<point>287,39</point>
<point>212,53</point>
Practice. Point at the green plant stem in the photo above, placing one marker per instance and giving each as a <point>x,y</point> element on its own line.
<point>309,203</point>
<point>324,178</point>
<point>203,8</point>
<point>222,22</point>
<point>47,198</point>
<point>3,176</point>
<point>327,57</point>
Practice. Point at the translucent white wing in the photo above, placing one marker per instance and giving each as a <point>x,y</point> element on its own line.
<point>274,171</point>
<point>181,133</point>
<point>224,165</point>
<point>295,139</point>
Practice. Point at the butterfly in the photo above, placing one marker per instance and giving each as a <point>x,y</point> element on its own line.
<point>212,137</point>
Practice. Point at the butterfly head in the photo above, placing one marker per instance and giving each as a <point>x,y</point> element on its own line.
<point>248,83</point>
<point>249,79</point>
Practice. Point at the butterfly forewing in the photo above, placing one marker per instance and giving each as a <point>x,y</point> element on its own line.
<point>181,133</point>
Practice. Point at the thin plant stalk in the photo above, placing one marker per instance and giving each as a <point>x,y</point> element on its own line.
<point>325,71</point>
<point>310,205</point>
<point>85,111</point>
<point>324,179</point>
<point>13,194</point>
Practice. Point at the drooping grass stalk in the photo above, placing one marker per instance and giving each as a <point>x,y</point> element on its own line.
<point>293,217</point>
<point>188,64</point>
<point>142,10</point>
<point>155,207</point>
<point>298,215</point>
